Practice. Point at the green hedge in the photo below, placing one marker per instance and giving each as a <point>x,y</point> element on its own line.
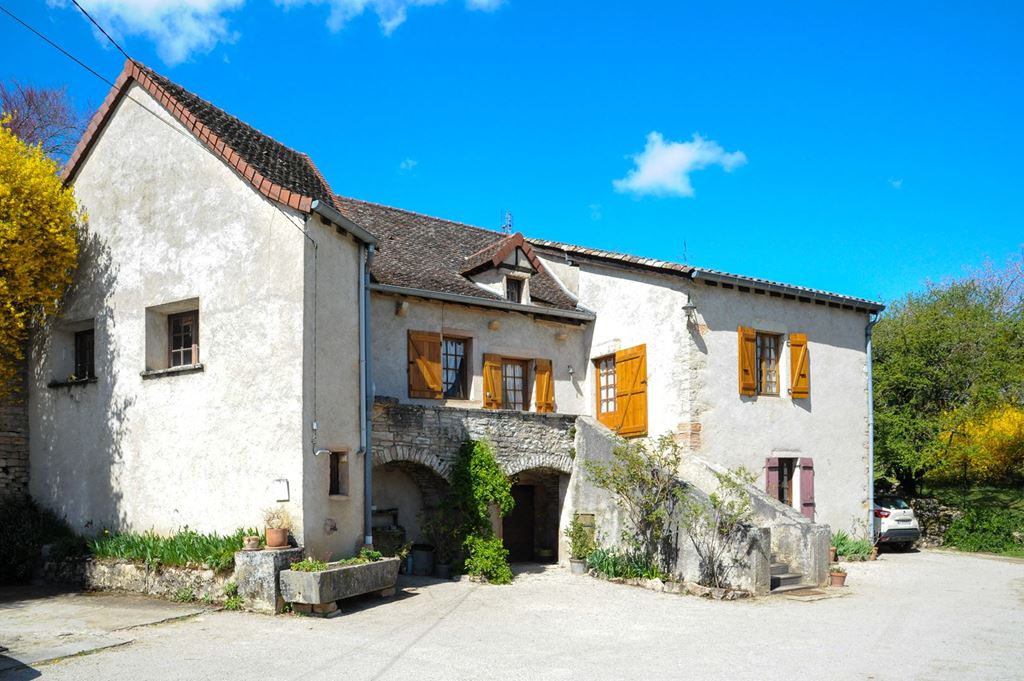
<point>991,530</point>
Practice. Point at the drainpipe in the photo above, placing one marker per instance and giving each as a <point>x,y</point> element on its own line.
<point>872,320</point>
<point>366,390</point>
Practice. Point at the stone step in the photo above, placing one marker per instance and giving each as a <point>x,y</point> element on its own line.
<point>780,568</point>
<point>790,587</point>
<point>786,579</point>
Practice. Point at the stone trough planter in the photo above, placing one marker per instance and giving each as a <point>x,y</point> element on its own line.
<point>318,591</point>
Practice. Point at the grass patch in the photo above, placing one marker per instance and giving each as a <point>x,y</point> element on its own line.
<point>611,563</point>
<point>1009,497</point>
<point>187,548</point>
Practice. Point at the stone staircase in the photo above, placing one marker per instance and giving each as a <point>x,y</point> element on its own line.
<point>784,579</point>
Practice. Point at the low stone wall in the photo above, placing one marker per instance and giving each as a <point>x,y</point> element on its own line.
<point>256,574</point>
<point>431,436</point>
<point>934,519</point>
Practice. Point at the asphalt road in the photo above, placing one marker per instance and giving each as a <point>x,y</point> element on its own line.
<point>928,615</point>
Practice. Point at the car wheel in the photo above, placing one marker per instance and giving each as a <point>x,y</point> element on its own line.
<point>903,547</point>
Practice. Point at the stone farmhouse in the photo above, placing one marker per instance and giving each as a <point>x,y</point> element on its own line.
<point>239,336</point>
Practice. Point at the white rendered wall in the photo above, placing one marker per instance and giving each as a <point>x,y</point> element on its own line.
<point>168,222</point>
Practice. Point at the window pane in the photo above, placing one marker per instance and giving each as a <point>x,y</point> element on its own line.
<point>453,368</point>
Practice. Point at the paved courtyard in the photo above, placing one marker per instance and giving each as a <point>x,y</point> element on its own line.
<point>928,615</point>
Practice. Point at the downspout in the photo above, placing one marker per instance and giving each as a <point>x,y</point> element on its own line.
<point>872,320</point>
<point>366,392</point>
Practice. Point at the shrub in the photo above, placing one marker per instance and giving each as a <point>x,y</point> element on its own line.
<point>184,595</point>
<point>187,548</point>
<point>26,528</point>
<point>992,530</point>
<point>715,525</point>
<point>488,558</point>
<point>848,547</point>
<point>624,564</point>
<point>233,603</point>
<point>581,539</point>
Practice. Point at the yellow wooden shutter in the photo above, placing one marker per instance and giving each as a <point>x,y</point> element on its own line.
<point>425,364</point>
<point>545,386</point>
<point>631,391</point>
<point>747,360</point>
<point>799,366</point>
<point>492,381</point>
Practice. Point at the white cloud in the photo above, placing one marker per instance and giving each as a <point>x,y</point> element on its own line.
<point>390,13</point>
<point>408,164</point>
<point>180,28</point>
<point>896,184</point>
<point>183,28</point>
<point>664,168</point>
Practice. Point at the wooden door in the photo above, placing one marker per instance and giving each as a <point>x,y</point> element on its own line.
<point>631,391</point>
<point>517,526</point>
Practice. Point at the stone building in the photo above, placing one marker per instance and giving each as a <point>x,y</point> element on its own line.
<point>254,338</point>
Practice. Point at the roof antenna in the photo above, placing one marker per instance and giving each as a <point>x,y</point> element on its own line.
<point>506,226</point>
<point>686,255</point>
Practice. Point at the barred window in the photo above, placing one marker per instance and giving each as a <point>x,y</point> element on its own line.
<point>768,363</point>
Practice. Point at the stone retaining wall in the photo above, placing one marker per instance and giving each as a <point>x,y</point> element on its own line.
<point>431,436</point>
<point>934,519</point>
<point>14,446</point>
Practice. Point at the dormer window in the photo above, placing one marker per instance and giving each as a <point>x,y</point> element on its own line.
<point>513,289</point>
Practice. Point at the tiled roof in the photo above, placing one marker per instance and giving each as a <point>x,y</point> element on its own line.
<point>422,252</point>
<point>279,172</point>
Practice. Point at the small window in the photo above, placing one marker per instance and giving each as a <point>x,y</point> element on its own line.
<point>339,474</point>
<point>514,289</point>
<point>606,385</point>
<point>85,355</point>
<point>454,372</point>
<point>767,363</point>
<point>183,330</point>
<point>513,384</point>
<point>787,467</point>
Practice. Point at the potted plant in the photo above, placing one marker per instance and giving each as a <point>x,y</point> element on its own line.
<point>581,545</point>
<point>278,522</point>
<point>442,532</point>
<point>838,575</point>
<point>251,542</point>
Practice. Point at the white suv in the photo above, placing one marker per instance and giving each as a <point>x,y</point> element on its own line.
<point>895,524</point>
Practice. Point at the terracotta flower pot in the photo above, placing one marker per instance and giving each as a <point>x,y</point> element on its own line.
<point>251,543</point>
<point>832,554</point>
<point>874,553</point>
<point>838,578</point>
<point>277,538</point>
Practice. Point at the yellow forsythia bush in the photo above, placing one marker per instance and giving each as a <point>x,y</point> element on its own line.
<point>992,447</point>
<point>38,245</point>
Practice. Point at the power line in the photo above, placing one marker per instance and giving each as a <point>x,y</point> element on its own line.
<point>56,46</point>
<point>101,29</point>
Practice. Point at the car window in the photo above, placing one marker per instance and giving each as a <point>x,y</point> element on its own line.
<point>892,502</point>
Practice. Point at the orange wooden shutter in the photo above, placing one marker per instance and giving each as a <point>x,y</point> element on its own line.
<point>747,360</point>
<point>492,381</point>
<point>799,366</point>
<point>425,364</point>
<point>631,391</point>
<point>545,386</point>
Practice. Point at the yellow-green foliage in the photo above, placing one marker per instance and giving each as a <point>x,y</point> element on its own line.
<point>38,245</point>
<point>990,448</point>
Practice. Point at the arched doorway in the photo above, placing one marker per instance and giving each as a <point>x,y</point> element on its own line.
<point>402,492</point>
<point>530,530</point>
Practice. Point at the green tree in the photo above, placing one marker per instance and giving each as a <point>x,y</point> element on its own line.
<point>942,359</point>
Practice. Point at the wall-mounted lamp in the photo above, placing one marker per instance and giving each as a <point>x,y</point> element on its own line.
<point>321,451</point>
<point>572,372</point>
<point>691,310</point>
<point>401,308</point>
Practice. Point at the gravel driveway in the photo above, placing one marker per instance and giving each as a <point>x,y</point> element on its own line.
<point>929,615</point>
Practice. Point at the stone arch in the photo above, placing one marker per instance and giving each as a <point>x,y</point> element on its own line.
<point>555,462</point>
<point>405,453</point>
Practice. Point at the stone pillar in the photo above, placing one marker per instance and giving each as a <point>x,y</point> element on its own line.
<point>256,573</point>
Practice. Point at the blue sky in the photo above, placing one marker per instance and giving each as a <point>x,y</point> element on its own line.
<point>860,149</point>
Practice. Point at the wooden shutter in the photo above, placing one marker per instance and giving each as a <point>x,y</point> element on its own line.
<point>747,360</point>
<point>799,366</point>
<point>425,364</point>
<point>631,391</point>
<point>807,487</point>
<point>545,386</point>
<point>771,477</point>
<point>492,381</point>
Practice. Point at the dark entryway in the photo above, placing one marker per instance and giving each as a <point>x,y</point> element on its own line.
<point>530,530</point>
